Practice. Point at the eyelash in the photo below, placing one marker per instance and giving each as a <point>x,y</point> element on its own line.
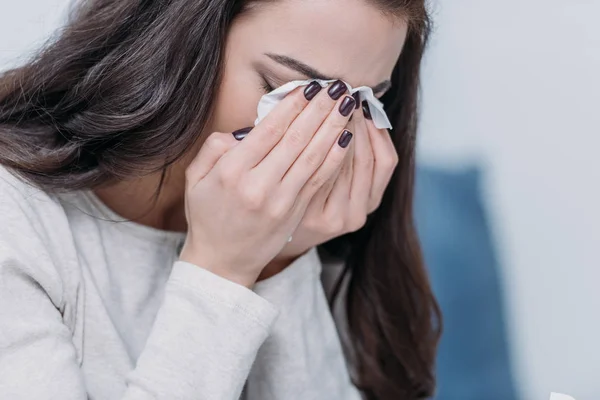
<point>266,87</point>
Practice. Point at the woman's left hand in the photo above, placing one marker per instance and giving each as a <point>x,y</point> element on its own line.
<point>343,203</point>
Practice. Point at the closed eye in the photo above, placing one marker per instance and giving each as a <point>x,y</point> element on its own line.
<point>266,86</point>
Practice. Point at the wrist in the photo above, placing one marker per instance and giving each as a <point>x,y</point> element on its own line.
<point>247,280</point>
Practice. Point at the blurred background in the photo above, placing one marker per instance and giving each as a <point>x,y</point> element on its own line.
<point>508,188</point>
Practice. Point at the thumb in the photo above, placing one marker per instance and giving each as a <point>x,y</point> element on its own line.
<point>213,148</point>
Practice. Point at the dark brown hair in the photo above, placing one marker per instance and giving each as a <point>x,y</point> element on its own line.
<point>124,88</point>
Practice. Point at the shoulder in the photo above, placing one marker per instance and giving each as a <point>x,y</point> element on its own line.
<point>29,216</point>
<point>35,238</point>
<point>16,193</point>
<point>20,201</point>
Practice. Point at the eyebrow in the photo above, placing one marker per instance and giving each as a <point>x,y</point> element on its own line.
<point>313,73</point>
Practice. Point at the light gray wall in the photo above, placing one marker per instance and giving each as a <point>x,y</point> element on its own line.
<point>515,84</point>
<point>25,25</point>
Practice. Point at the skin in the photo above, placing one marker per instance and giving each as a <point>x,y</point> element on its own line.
<point>239,196</point>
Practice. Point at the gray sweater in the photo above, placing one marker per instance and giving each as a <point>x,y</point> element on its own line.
<point>96,309</point>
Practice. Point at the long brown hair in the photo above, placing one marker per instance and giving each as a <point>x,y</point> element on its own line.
<point>124,88</point>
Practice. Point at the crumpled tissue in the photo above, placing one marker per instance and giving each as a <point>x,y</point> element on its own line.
<point>271,99</point>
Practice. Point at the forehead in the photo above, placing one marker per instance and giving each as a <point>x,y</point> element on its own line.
<point>349,39</point>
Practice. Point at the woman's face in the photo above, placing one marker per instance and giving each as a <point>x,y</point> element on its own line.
<point>302,39</point>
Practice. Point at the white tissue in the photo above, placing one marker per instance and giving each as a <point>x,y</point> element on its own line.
<point>271,99</point>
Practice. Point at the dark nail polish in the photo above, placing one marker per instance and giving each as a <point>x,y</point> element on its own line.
<point>366,110</point>
<point>347,105</point>
<point>337,89</point>
<point>311,90</point>
<point>242,133</point>
<point>345,138</point>
<point>356,96</point>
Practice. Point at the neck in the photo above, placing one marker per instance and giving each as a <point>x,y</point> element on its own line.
<point>136,200</point>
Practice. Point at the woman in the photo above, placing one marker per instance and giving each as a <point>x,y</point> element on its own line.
<point>145,251</point>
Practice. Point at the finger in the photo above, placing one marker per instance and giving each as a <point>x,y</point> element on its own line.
<point>315,210</point>
<point>270,130</point>
<point>301,131</point>
<point>213,148</point>
<point>339,197</point>
<point>362,176</point>
<point>322,146</point>
<point>386,160</point>
<point>332,162</point>
<point>320,198</point>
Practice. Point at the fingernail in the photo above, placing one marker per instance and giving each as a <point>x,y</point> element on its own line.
<point>356,96</point>
<point>347,105</point>
<point>345,138</point>
<point>311,90</point>
<point>242,133</point>
<point>366,111</point>
<point>337,89</point>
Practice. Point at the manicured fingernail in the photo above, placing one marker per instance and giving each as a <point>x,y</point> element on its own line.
<point>366,110</point>
<point>345,138</point>
<point>347,105</point>
<point>337,89</point>
<point>311,90</point>
<point>356,96</point>
<point>242,133</point>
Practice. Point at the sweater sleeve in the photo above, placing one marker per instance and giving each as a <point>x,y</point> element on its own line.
<point>202,344</point>
<point>303,357</point>
<point>204,340</point>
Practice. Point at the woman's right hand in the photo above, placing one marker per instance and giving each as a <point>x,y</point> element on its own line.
<point>244,200</point>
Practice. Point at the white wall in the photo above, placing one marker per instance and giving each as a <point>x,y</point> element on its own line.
<point>25,25</point>
<point>514,84</point>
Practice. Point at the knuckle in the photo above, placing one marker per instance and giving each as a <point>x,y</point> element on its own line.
<point>323,104</point>
<point>294,137</point>
<point>345,169</point>
<point>330,223</point>
<point>278,211</point>
<point>336,125</point>
<point>337,121</point>
<point>212,136</point>
<point>253,197</point>
<point>317,181</point>
<point>395,158</point>
<point>328,185</point>
<point>357,222</point>
<point>374,205</point>
<point>390,162</point>
<point>311,225</point>
<point>337,158</point>
<point>334,226</point>
<point>215,141</point>
<point>227,177</point>
<point>272,129</point>
<point>364,161</point>
<point>312,159</point>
